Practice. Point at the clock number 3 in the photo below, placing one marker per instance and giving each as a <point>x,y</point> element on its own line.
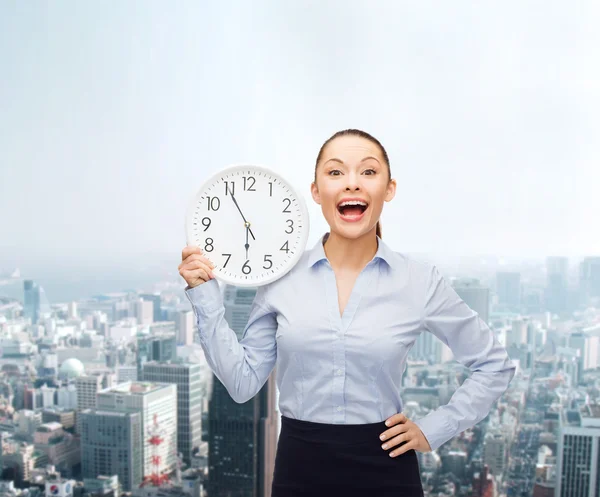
<point>291,227</point>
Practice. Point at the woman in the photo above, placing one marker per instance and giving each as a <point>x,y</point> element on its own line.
<point>339,327</point>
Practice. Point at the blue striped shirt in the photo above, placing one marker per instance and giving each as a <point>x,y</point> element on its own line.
<point>347,369</point>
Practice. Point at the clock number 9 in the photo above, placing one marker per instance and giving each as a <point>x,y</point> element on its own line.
<point>245,266</point>
<point>206,222</point>
<point>208,243</point>
<point>291,227</point>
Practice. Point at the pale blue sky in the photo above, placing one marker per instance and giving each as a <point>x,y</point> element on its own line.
<point>113,113</point>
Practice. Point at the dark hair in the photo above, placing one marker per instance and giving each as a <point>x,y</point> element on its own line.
<point>361,134</point>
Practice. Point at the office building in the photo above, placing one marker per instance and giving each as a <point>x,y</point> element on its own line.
<point>589,279</point>
<point>508,289</point>
<point>157,402</point>
<point>186,327</point>
<point>475,295</point>
<point>578,464</point>
<point>188,379</point>
<point>144,312</point>
<point>35,302</point>
<point>159,347</point>
<point>556,294</point>
<point>112,444</point>
<point>87,387</point>
<point>156,309</point>
<point>242,437</point>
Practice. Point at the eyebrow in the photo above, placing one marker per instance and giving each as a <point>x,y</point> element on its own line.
<point>335,159</point>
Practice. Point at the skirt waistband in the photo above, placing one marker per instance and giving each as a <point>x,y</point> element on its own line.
<point>332,433</point>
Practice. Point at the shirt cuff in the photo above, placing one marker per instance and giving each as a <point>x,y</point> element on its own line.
<point>205,298</point>
<point>436,428</point>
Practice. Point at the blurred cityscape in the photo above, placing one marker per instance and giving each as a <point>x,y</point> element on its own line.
<point>111,394</point>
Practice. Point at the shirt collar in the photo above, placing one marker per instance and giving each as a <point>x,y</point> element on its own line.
<point>317,253</point>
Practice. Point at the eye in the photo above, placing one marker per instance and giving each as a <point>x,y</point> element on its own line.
<point>372,172</point>
<point>333,171</point>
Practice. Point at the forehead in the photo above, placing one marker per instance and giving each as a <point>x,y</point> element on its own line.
<point>351,148</point>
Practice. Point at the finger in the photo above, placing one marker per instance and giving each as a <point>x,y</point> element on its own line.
<point>189,250</point>
<point>196,261</point>
<point>193,275</point>
<point>407,446</point>
<point>404,437</point>
<point>395,419</point>
<point>394,430</point>
<point>195,269</point>
<point>197,264</point>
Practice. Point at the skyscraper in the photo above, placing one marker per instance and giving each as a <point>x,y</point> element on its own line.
<point>508,289</point>
<point>578,463</point>
<point>160,347</point>
<point>475,295</point>
<point>87,388</point>
<point>186,326</point>
<point>155,299</point>
<point>150,399</point>
<point>242,437</point>
<point>111,444</point>
<point>35,302</point>
<point>556,293</point>
<point>144,312</point>
<point>188,379</point>
<point>589,278</point>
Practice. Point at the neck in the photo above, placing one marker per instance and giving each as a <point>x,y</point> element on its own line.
<point>350,254</point>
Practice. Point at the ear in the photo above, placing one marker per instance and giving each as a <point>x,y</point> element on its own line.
<point>315,193</point>
<point>391,190</point>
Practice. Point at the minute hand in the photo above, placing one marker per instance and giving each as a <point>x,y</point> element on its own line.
<point>238,208</point>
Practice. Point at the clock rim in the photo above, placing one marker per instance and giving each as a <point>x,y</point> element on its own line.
<point>303,212</point>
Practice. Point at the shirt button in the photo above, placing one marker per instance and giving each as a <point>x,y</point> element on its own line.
<point>339,408</point>
<point>339,371</point>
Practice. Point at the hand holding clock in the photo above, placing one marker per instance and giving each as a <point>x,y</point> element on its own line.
<point>195,269</point>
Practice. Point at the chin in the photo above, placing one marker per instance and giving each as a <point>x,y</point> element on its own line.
<point>353,232</point>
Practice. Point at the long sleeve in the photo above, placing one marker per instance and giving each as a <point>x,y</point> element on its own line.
<point>474,345</point>
<point>243,366</point>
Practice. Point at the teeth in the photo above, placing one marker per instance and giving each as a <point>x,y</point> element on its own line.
<point>352,202</point>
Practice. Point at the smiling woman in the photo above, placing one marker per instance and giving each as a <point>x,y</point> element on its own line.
<point>338,328</point>
<point>375,166</point>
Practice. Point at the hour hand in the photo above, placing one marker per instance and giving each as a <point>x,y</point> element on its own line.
<point>247,246</point>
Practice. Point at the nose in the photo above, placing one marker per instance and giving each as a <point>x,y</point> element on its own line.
<point>353,182</point>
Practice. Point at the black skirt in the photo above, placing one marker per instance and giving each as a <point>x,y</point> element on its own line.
<point>327,460</point>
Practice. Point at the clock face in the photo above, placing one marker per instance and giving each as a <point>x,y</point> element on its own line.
<point>250,223</point>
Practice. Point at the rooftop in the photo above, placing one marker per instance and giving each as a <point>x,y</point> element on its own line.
<point>590,411</point>
<point>134,387</point>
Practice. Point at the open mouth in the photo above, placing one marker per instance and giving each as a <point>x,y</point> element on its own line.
<point>352,210</point>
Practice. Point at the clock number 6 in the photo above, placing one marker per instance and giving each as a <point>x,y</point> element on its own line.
<point>245,266</point>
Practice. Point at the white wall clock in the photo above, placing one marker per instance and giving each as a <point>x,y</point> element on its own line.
<point>250,223</point>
